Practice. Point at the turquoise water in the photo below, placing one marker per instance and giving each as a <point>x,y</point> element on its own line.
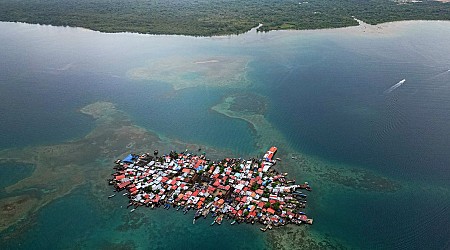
<point>327,95</point>
<point>187,115</point>
<point>78,221</point>
<point>12,172</point>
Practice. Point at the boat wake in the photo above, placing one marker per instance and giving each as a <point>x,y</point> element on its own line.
<point>440,74</point>
<point>395,86</point>
<point>209,61</point>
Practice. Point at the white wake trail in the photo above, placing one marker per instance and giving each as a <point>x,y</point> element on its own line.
<point>395,86</point>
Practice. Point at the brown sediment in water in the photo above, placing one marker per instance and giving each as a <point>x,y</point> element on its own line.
<point>61,168</point>
<point>12,208</point>
<point>301,238</point>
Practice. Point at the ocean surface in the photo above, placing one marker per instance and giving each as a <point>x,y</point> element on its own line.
<point>375,99</point>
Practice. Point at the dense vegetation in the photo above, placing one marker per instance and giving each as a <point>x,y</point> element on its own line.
<point>214,17</point>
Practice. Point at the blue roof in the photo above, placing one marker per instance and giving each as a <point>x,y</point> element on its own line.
<point>128,159</point>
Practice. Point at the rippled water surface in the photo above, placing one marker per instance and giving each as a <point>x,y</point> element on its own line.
<point>375,99</point>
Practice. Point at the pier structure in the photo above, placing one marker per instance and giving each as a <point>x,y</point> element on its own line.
<point>236,189</point>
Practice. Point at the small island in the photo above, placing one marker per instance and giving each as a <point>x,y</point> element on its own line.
<point>249,191</point>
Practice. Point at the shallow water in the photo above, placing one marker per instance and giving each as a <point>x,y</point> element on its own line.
<point>12,172</point>
<point>326,93</point>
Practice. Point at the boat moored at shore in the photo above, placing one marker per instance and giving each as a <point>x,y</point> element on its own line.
<point>249,191</point>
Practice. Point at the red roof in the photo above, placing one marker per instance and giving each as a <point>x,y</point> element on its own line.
<point>270,210</point>
<point>120,177</point>
<point>122,185</point>
<point>261,204</point>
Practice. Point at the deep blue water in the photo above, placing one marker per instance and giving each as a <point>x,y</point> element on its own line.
<point>327,95</point>
<point>343,113</point>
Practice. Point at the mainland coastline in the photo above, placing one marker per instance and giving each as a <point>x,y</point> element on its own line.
<point>212,18</point>
<point>119,137</point>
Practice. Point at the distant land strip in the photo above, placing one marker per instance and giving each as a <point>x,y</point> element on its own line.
<point>216,17</point>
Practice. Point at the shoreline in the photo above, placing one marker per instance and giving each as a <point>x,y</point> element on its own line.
<point>354,28</point>
<point>107,113</point>
<point>60,168</point>
<point>242,190</point>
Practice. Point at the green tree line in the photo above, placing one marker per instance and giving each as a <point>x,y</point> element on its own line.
<point>214,17</point>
